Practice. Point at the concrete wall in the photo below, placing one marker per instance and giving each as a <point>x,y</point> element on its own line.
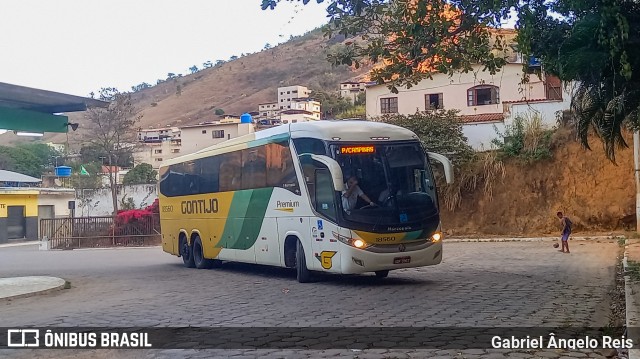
<point>480,135</point>
<point>547,110</point>
<point>98,202</point>
<point>59,199</point>
<point>28,198</point>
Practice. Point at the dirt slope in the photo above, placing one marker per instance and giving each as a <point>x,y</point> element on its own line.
<point>590,189</point>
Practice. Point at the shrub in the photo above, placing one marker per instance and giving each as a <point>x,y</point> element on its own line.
<point>526,139</point>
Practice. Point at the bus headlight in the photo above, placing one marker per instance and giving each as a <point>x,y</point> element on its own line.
<point>358,243</point>
<point>436,237</point>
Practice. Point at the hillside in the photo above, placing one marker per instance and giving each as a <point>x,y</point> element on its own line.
<point>236,86</point>
<point>584,184</point>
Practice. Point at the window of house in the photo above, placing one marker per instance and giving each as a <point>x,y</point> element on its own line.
<point>175,150</point>
<point>204,131</point>
<point>294,91</point>
<point>433,101</point>
<point>217,134</point>
<point>483,95</point>
<point>264,114</point>
<point>389,105</point>
<point>158,159</point>
<point>288,92</point>
<point>157,151</point>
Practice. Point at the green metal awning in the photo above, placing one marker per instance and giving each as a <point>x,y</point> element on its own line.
<point>33,110</point>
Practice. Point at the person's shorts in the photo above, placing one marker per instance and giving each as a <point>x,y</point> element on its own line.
<point>565,236</point>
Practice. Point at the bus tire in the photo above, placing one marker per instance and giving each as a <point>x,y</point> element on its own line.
<point>303,274</point>
<point>382,273</point>
<point>186,253</point>
<point>198,255</point>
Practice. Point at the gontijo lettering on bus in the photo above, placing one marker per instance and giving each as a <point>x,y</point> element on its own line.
<point>198,206</point>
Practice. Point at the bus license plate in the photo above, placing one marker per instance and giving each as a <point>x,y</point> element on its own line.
<point>401,260</point>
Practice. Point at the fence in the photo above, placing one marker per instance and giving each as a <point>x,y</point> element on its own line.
<point>92,232</point>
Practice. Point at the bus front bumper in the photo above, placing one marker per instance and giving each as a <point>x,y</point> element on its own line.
<point>354,261</point>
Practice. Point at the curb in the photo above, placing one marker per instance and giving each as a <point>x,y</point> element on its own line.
<point>534,239</point>
<point>105,248</point>
<point>632,316</point>
<point>21,244</point>
<point>37,292</point>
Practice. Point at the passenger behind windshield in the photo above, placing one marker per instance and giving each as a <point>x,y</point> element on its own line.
<point>351,193</point>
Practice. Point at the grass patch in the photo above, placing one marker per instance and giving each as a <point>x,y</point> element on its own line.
<point>633,270</point>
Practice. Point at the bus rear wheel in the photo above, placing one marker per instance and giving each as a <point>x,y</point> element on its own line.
<point>186,253</point>
<point>303,274</point>
<point>382,273</point>
<point>198,255</point>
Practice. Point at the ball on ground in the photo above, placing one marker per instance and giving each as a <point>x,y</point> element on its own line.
<point>556,245</point>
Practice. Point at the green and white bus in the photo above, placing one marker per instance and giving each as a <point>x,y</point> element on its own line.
<point>276,197</point>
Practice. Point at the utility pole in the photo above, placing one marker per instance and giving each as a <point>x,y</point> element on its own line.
<point>636,170</point>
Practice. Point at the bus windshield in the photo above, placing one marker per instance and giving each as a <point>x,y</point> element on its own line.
<point>397,178</point>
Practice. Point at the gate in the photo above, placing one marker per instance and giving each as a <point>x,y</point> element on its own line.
<point>95,232</point>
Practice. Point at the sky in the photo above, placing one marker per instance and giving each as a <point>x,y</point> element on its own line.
<point>79,46</point>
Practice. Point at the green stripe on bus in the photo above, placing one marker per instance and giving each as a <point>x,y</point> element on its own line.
<point>253,219</point>
<point>245,218</point>
<point>271,139</point>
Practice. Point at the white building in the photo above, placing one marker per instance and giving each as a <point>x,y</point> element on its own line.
<point>197,137</point>
<point>486,102</point>
<point>351,89</point>
<point>307,104</point>
<point>286,94</point>
<point>268,110</point>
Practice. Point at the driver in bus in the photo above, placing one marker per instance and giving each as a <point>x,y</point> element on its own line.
<point>351,193</point>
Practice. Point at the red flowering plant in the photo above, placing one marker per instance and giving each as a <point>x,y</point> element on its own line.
<point>135,221</point>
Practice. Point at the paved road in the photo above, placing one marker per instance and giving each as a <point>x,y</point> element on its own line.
<point>479,284</point>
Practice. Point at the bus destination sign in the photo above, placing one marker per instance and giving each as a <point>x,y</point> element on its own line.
<point>354,150</point>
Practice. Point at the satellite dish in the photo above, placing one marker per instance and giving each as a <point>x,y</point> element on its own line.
<point>57,182</point>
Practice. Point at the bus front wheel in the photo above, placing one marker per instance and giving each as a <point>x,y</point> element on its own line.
<point>198,255</point>
<point>303,274</point>
<point>186,253</point>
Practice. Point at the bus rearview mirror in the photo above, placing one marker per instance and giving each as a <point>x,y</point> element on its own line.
<point>448,167</point>
<point>334,168</point>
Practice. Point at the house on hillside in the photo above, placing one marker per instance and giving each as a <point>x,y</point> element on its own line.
<point>351,89</point>
<point>486,102</point>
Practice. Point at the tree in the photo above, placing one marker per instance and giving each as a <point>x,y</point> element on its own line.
<point>267,46</point>
<point>171,76</point>
<point>361,99</point>
<point>28,159</point>
<point>193,69</point>
<point>218,111</point>
<point>112,130</point>
<point>207,64</point>
<point>140,174</point>
<point>139,87</point>
<point>439,131</point>
<point>332,104</point>
<point>220,62</point>
<point>234,57</point>
<point>592,42</point>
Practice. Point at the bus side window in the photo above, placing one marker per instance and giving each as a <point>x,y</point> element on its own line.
<point>254,168</point>
<point>280,170</point>
<point>208,169</point>
<point>325,194</point>
<point>230,174</point>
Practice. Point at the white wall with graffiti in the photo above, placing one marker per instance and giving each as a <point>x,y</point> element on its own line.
<point>97,202</point>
